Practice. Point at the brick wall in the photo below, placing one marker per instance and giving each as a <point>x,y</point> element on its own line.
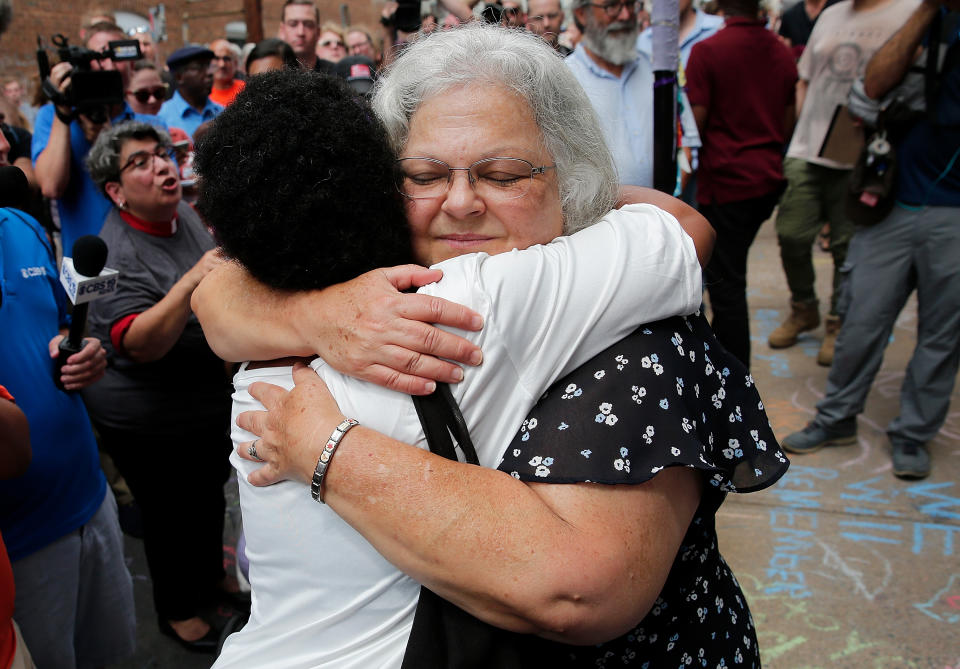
<point>196,20</point>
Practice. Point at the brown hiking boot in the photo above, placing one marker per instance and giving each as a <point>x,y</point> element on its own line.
<point>831,329</point>
<point>803,316</point>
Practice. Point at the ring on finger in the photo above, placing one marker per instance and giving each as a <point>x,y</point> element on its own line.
<point>252,451</point>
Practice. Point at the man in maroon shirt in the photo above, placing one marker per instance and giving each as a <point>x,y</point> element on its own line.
<point>740,83</point>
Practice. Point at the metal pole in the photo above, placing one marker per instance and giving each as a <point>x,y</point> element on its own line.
<point>664,21</point>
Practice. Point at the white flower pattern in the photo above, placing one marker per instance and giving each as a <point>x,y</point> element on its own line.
<point>695,419</point>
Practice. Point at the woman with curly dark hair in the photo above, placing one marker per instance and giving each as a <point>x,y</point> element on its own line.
<point>320,159</point>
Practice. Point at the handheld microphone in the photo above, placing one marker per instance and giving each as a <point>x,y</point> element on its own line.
<point>84,278</point>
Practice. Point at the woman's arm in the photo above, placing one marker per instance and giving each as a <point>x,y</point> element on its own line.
<point>691,220</point>
<point>154,332</point>
<point>365,327</point>
<point>577,563</point>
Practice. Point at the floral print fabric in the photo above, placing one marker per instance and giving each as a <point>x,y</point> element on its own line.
<point>667,395</point>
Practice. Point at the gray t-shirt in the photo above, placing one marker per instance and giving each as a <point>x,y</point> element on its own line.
<point>842,43</point>
<point>187,386</point>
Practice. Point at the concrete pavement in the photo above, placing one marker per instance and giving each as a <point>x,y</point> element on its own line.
<point>843,564</point>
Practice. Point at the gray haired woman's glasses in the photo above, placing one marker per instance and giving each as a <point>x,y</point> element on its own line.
<point>490,178</point>
<point>141,159</point>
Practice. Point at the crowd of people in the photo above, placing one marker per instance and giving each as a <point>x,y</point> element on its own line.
<point>839,119</point>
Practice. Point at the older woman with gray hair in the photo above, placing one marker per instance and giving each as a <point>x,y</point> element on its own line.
<point>576,545</point>
<point>154,343</point>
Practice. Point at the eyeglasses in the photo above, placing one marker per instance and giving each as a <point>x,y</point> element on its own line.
<point>490,178</point>
<point>613,8</point>
<point>332,43</point>
<point>143,95</point>
<point>540,18</point>
<point>142,159</point>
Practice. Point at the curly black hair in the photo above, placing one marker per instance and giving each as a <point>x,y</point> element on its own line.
<point>299,184</point>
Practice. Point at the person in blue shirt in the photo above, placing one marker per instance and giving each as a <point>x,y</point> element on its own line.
<point>74,595</point>
<point>618,80</point>
<point>191,105</point>
<point>62,138</point>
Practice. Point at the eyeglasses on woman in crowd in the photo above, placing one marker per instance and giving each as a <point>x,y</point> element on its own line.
<point>144,159</point>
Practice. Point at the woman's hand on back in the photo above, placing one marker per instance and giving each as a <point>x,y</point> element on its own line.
<point>386,336</point>
<point>292,430</point>
<point>366,328</point>
<point>207,263</point>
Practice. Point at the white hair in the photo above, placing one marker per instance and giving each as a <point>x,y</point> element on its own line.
<point>479,53</point>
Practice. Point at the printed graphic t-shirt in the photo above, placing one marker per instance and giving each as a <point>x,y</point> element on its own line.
<point>842,43</point>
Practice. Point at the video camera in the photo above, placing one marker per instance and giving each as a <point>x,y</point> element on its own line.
<point>406,18</point>
<point>91,91</point>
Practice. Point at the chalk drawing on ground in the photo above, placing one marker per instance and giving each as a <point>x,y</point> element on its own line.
<point>944,605</point>
<point>851,569</point>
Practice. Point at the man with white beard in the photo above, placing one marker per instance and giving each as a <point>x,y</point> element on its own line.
<point>619,82</point>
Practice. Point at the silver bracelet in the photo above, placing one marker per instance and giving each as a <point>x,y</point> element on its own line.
<point>316,485</point>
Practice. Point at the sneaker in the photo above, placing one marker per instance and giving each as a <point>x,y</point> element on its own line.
<point>910,459</point>
<point>814,437</point>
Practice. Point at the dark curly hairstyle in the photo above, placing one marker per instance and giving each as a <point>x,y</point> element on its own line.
<point>299,184</point>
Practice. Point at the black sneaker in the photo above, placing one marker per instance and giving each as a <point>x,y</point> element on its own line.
<point>814,437</point>
<point>910,459</point>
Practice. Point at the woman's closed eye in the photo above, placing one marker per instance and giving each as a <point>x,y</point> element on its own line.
<point>500,178</point>
<point>424,178</point>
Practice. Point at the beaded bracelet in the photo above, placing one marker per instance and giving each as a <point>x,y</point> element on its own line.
<point>316,485</point>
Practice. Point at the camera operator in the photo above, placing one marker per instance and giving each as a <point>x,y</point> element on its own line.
<point>63,137</point>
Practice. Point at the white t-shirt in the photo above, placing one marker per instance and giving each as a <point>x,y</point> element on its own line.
<point>842,43</point>
<point>322,596</point>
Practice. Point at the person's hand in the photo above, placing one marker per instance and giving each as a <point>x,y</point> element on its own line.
<point>208,261</point>
<point>60,78</point>
<point>384,336</point>
<point>292,431</point>
<point>84,367</point>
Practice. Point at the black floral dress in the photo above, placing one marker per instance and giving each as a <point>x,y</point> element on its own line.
<point>668,395</point>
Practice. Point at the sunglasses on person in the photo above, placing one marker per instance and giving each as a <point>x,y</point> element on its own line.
<point>143,95</point>
<point>329,44</point>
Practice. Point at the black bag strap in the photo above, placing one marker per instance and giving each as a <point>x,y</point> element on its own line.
<point>440,417</point>
<point>443,635</point>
